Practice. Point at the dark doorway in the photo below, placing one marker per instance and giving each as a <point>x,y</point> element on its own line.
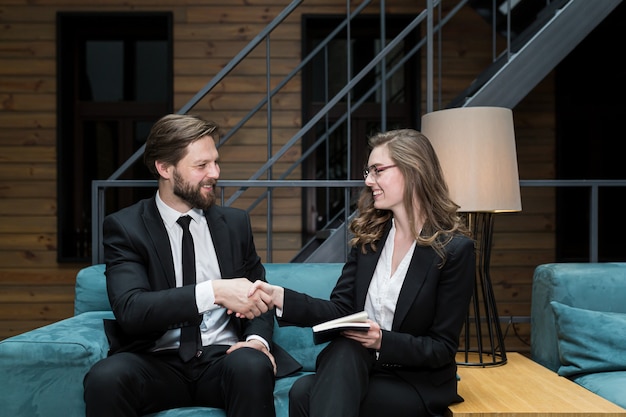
<point>114,79</point>
<point>590,88</point>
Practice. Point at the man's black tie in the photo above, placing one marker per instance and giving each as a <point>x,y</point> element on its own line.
<point>189,335</point>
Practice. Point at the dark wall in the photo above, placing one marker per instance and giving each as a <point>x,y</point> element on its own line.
<point>590,113</point>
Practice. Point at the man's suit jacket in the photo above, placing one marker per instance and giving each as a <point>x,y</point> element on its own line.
<point>141,283</point>
<point>430,312</point>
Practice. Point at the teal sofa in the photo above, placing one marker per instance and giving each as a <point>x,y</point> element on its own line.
<point>578,324</point>
<point>41,371</point>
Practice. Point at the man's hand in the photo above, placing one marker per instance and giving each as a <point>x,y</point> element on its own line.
<point>254,344</point>
<point>272,295</point>
<point>233,294</point>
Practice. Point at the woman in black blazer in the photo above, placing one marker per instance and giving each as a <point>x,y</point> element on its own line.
<point>411,268</point>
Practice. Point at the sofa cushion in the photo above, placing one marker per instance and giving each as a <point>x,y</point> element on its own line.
<point>316,280</point>
<point>51,362</point>
<point>41,371</point>
<point>190,412</point>
<point>591,286</point>
<point>298,341</point>
<point>589,341</point>
<point>609,385</point>
<point>90,290</point>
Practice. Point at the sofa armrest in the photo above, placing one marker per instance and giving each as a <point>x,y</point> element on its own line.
<point>590,286</point>
<point>41,371</point>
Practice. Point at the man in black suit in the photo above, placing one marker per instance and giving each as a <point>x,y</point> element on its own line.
<point>232,362</point>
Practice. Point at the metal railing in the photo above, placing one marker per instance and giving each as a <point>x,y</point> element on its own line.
<point>594,187</point>
<point>99,187</point>
<point>273,180</point>
<point>113,181</point>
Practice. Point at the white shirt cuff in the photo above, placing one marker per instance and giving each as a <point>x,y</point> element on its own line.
<point>205,297</point>
<point>260,339</point>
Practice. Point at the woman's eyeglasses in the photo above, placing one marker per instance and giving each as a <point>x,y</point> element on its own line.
<point>376,170</point>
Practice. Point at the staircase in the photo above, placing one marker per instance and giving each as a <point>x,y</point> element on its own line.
<point>534,46</point>
<point>533,53</point>
<point>558,28</point>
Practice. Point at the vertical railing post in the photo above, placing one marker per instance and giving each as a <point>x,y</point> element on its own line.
<point>383,69</point>
<point>593,224</point>
<point>429,56</point>
<point>270,217</point>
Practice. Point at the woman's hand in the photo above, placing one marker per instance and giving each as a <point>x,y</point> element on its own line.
<point>261,295</point>
<point>265,290</point>
<point>371,339</point>
<point>234,295</point>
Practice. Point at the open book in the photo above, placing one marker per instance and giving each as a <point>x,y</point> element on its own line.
<point>328,330</point>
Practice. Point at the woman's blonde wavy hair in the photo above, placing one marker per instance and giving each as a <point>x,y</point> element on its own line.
<point>415,157</point>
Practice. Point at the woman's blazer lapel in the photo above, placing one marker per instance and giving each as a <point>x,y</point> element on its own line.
<point>421,263</point>
<point>366,268</point>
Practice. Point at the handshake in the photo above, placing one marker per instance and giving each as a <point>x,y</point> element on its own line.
<point>247,299</point>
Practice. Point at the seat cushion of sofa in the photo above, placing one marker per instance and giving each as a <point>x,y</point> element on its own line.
<point>52,361</point>
<point>609,385</point>
<point>298,341</point>
<point>190,412</point>
<point>72,341</point>
<point>313,279</point>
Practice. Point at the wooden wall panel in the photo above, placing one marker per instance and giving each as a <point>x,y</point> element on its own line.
<point>35,289</point>
<point>40,188</point>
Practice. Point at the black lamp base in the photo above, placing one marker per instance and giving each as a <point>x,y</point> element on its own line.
<point>483,341</point>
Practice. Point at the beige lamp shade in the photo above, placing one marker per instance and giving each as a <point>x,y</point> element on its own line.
<point>476,149</point>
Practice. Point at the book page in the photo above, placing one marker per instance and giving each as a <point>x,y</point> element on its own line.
<point>326,331</point>
<point>356,319</point>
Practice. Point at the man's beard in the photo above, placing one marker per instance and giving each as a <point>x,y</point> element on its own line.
<point>193,194</point>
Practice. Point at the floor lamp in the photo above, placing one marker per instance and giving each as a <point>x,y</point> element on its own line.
<point>476,149</point>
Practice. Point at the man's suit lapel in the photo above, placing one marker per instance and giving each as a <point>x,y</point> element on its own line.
<point>158,235</point>
<point>221,240</point>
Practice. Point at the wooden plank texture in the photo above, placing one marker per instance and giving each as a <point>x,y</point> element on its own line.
<point>523,388</point>
<point>207,35</point>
